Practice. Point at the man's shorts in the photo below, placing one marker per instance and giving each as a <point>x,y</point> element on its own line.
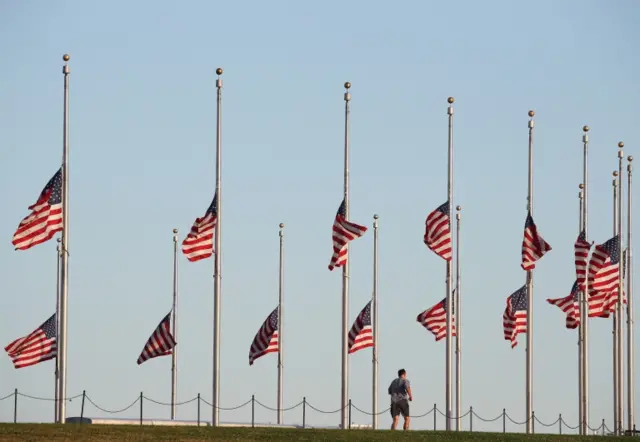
<point>400,407</point>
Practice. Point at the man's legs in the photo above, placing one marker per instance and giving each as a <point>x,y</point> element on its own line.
<point>405,414</point>
<point>407,419</point>
<point>394,423</point>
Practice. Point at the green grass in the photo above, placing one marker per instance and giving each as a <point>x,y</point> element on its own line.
<point>104,433</point>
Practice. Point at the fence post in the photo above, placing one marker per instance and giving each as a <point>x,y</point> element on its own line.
<point>470,419</point>
<point>504,420</point>
<point>349,414</point>
<point>15,406</point>
<point>435,416</point>
<point>141,401</point>
<point>304,412</point>
<point>84,394</point>
<point>253,410</point>
<point>198,409</point>
<point>533,422</point>
<point>603,427</point>
<point>560,422</point>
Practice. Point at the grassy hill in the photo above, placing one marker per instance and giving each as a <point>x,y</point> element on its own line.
<point>104,433</point>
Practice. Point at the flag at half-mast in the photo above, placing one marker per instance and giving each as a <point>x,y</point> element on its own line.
<point>160,343</point>
<point>534,246</point>
<point>361,333</point>
<point>581,251</point>
<point>266,340</point>
<point>45,219</point>
<point>38,346</point>
<point>604,275</point>
<point>199,242</point>
<point>514,318</point>
<point>343,232</point>
<point>437,235</point>
<point>434,319</point>
<point>570,305</point>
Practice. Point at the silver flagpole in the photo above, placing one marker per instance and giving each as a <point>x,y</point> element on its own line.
<point>529,393</point>
<point>344,417</point>
<point>449,266</point>
<point>64,271</point>
<point>458,322</point>
<point>580,328</point>
<point>630,350</point>
<point>174,331</point>
<point>616,429</point>
<point>217,290</point>
<point>56,369</point>
<point>620,305</point>
<point>374,320</point>
<point>280,328</point>
<point>584,306</point>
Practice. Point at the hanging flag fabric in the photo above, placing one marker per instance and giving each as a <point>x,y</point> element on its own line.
<point>266,340</point>
<point>514,319</point>
<point>45,219</point>
<point>38,346</point>
<point>581,251</point>
<point>437,234</point>
<point>534,246</point>
<point>361,333</point>
<point>570,305</point>
<point>434,319</point>
<point>199,242</point>
<point>343,233</point>
<point>160,343</point>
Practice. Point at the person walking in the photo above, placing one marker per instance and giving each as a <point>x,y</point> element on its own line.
<point>400,392</point>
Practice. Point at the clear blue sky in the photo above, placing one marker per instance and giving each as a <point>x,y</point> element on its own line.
<point>142,163</point>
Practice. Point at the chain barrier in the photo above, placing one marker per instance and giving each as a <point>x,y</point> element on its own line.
<point>602,428</point>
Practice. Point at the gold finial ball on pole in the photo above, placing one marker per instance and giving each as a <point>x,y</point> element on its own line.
<point>219,71</point>
<point>585,128</point>
<point>59,240</point>
<point>347,85</point>
<point>531,113</point>
<point>66,57</point>
<point>615,173</point>
<point>282,225</point>
<point>458,208</point>
<point>630,158</point>
<point>620,144</point>
<point>375,216</point>
<point>580,186</point>
<point>175,231</point>
<point>450,100</point>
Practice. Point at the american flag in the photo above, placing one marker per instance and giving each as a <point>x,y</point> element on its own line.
<point>604,267</point>
<point>514,319</point>
<point>570,305</point>
<point>361,333</point>
<point>266,340</point>
<point>38,346</point>
<point>343,232</point>
<point>199,242</point>
<point>45,218</point>
<point>581,250</point>
<point>160,342</point>
<point>434,319</point>
<point>437,235</point>
<point>533,245</point>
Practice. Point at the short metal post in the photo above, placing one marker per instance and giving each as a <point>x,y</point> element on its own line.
<point>533,422</point>
<point>15,406</point>
<point>504,420</point>
<point>253,411</point>
<point>349,413</point>
<point>470,419</point>
<point>604,426</point>
<point>304,412</point>
<point>141,401</point>
<point>560,422</point>
<point>435,416</point>
<point>84,395</point>
<point>198,409</point>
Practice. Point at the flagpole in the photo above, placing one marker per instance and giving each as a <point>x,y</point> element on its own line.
<point>345,272</point>
<point>529,393</point>
<point>584,308</point>
<point>458,321</point>
<point>217,291</point>
<point>64,271</point>
<point>450,100</point>
<point>616,350</point>
<point>56,369</point>
<point>280,327</point>
<point>619,306</point>
<point>630,350</point>
<point>174,331</point>
<point>582,314</point>
<point>374,320</point>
